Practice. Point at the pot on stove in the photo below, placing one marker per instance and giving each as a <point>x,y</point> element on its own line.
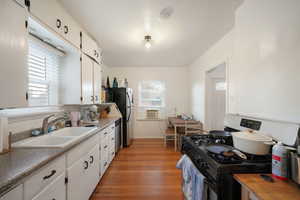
<point>252,142</point>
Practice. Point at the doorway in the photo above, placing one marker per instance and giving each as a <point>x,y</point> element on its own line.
<point>215,91</point>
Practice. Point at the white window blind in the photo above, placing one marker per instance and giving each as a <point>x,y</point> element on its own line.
<point>152,94</point>
<point>43,72</point>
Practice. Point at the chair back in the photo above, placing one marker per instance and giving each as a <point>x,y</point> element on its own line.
<point>194,128</point>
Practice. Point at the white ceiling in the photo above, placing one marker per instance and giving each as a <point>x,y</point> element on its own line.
<point>120,26</point>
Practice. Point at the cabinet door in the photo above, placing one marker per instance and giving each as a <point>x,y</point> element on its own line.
<point>13,55</point>
<point>89,46</point>
<point>15,194</point>
<point>56,190</point>
<point>97,83</point>
<point>71,30</point>
<point>76,180</point>
<point>93,175</point>
<point>50,12</point>
<point>87,80</point>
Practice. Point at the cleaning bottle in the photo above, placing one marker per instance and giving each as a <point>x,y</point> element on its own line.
<point>279,161</point>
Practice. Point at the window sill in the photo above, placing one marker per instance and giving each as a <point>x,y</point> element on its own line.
<point>145,119</point>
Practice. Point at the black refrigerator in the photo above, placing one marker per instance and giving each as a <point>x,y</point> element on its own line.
<point>123,97</point>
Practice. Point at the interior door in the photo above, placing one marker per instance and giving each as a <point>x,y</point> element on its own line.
<point>97,83</point>
<point>218,106</point>
<point>13,54</point>
<point>87,80</point>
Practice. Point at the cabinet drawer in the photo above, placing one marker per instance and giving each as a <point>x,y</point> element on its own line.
<point>82,149</point>
<point>55,191</point>
<point>15,194</point>
<point>43,177</point>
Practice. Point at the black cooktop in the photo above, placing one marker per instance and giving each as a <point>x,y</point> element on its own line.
<point>216,164</point>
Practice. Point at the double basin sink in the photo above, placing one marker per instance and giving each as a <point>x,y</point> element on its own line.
<point>57,139</point>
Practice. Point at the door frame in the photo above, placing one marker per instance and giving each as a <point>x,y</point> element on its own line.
<point>207,92</point>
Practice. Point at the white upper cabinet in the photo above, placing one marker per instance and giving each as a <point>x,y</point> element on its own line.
<point>97,83</point>
<point>13,55</point>
<point>87,80</point>
<point>91,81</point>
<point>90,47</point>
<point>51,13</point>
<point>71,30</point>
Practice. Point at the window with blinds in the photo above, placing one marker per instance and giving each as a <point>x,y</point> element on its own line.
<point>43,72</point>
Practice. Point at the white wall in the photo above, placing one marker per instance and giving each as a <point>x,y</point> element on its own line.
<point>176,82</point>
<point>262,55</point>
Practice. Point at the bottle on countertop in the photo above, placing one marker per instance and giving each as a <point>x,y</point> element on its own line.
<point>280,161</point>
<point>107,82</point>
<point>115,83</point>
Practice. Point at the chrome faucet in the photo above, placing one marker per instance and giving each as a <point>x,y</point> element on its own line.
<point>47,123</point>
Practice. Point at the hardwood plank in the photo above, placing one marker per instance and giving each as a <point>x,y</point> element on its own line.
<point>146,170</point>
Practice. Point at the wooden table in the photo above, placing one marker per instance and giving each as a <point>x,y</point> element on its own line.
<point>178,122</point>
<point>254,187</point>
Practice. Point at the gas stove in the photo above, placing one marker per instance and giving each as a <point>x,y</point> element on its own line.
<point>218,169</point>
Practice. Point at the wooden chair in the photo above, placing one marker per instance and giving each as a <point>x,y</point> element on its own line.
<point>169,135</point>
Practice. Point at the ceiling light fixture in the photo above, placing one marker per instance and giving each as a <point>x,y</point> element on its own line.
<point>148,41</point>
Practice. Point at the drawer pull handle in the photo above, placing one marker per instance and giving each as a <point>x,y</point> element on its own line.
<point>50,175</point>
<point>105,146</point>
<point>112,138</point>
<point>91,159</point>
<point>105,133</point>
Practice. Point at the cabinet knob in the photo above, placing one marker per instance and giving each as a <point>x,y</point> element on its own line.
<point>86,164</point>
<point>66,29</point>
<point>91,159</point>
<point>58,23</point>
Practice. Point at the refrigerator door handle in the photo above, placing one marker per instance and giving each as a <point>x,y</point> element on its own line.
<point>129,107</point>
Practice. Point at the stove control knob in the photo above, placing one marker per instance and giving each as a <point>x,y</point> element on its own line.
<point>204,165</point>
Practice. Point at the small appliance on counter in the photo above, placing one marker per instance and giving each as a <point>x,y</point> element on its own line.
<point>90,115</point>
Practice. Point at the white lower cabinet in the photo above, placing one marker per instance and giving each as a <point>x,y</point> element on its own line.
<point>75,187</point>
<point>55,191</point>
<point>72,176</point>
<point>107,147</point>
<point>83,175</point>
<point>15,194</point>
<point>93,176</point>
<point>44,177</point>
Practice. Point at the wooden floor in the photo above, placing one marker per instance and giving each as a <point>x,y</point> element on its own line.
<point>146,170</point>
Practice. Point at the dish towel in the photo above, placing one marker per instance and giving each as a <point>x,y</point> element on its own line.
<point>193,186</point>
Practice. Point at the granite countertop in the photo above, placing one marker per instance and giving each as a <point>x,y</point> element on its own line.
<point>21,162</point>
